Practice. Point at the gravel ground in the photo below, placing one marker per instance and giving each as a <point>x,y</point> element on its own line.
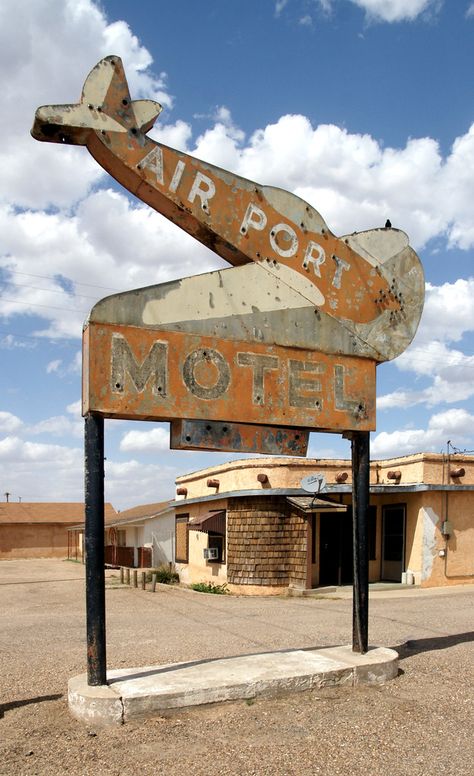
<point>420,723</point>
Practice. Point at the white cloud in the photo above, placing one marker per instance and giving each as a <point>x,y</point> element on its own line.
<point>12,342</point>
<point>75,407</point>
<point>99,238</point>
<point>470,11</point>
<point>146,441</point>
<point>108,241</point>
<point>456,425</point>
<point>53,366</point>
<point>447,317</point>
<point>177,135</point>
<point>395,10</point>
<point>378,10</point>
<point>9,423</point>
<point>43,47</point>
<point>132,482</point>
<point>448,313</point>
<point>58,426</point>
<point>325,5</point>
<point>279,6</point>
<point>27,472</point>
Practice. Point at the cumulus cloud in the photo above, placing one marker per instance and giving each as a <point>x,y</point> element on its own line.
<point>456,424</point>
<point>146,441</point>
<point>376,10</point>
<point>108,240</point>
<point>395,10</point>
<point>26,465</point>
<point>96,237</point>
<point>43,47</point>
<point>447,317</point>
<point>9,423</point>
<point>151,482</point>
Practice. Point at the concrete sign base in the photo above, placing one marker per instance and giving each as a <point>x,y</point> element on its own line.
<point>138,692</point>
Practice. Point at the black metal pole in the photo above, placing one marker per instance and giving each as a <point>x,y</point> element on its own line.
<point>360,533</point>
<point>94,541</point>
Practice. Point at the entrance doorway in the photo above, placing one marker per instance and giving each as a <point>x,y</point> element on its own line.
<point>335,546</point>
<point>335,549</point>
<point>393,542</point>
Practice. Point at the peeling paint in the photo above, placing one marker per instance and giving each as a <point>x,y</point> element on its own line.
<point>430,521</point>
<point>241,220</point>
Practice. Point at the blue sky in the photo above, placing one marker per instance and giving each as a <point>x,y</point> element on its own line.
<point>365,108</point>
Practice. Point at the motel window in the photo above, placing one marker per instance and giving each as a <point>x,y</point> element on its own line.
<point>217,541</point>
<point>182,539</point>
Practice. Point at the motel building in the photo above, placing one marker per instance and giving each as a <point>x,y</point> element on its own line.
<point>250,523</point>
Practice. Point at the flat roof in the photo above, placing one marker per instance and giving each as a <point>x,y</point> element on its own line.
<point>374,489</point>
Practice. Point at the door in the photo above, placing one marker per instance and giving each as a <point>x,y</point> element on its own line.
<point>393,542</point>
<point>335,549</point>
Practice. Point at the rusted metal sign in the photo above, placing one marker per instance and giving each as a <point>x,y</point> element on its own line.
<point>237,437</point>
<point>370,284</point>
<point>147,375</point>
<point>290,338</point>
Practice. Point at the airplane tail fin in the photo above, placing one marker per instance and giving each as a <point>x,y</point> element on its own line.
<point>105,106</point>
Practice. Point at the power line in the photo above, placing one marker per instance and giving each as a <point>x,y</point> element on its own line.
<point>46,306</point>
<point>49,290</point>
<point>53,277</point>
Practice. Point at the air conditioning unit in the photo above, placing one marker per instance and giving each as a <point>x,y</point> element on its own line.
<point>211,553</point>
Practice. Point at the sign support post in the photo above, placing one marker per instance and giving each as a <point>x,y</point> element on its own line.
<point>360,510</point>
<point>94,546</point>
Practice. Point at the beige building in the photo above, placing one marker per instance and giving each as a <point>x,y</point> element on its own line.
<point>41,530</point>
<point>249,523</point>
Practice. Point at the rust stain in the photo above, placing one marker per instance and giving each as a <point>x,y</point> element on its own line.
<point>140,374</point>
<point>240,220</point>
<point>238,437</point>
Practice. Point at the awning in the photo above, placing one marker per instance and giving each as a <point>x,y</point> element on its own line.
<point>210,521</point>
<point>314,504</point>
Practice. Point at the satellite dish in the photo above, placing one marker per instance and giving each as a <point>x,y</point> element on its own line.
<point>314,483</point>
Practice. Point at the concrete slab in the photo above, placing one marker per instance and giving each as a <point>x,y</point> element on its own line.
<point>135,692</point>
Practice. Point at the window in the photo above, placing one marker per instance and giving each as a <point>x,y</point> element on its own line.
<point>182,539</point>
<point>217,541</point>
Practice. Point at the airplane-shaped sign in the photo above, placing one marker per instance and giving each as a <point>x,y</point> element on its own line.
<point>298,290</point>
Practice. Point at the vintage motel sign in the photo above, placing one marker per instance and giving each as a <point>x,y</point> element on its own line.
<point>287,339</point>
<point>291,338</point>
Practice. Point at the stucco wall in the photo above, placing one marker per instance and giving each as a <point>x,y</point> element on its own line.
<point>198,569</point>
<point>457,566</point>
<point>159,532</point>
<point>242,475</point>
<point>47,540</point>
<point>429,468</point>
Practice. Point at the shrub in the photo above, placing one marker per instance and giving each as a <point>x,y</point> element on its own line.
<point>165,575</point>
<point>210,587</point>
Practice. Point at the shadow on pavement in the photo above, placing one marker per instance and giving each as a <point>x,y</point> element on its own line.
<point>26,702</point>
<point>415,646</point>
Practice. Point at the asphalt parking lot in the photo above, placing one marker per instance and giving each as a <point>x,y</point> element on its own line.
<point>420,723</point>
